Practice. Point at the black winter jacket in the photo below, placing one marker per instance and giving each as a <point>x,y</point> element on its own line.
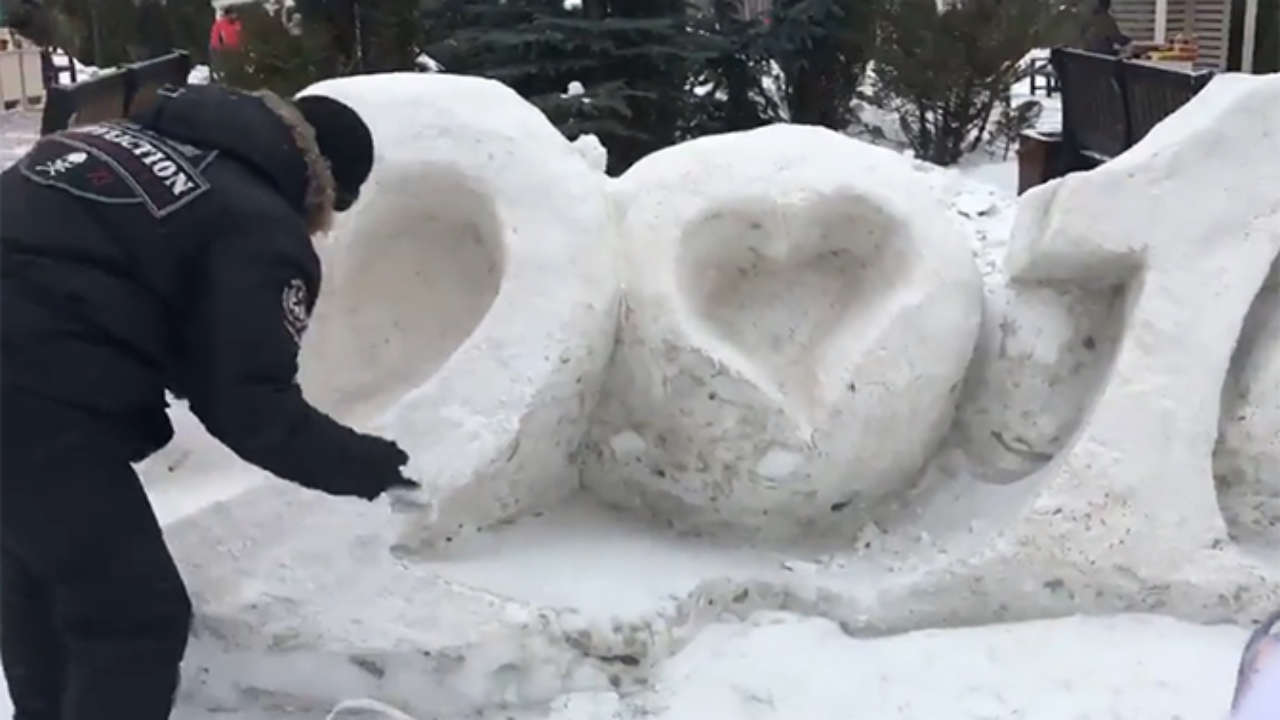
<point>173,251</point>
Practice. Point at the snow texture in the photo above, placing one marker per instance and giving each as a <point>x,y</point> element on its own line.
<point>799,314</point>
<point>438,323</point>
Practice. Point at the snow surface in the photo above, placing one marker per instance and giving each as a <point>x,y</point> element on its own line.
<point>199,75</point>
<point>777,665</point>
<point>19,130</point>
<point>781,666</point>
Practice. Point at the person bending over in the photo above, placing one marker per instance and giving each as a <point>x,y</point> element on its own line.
<point>169,251</point>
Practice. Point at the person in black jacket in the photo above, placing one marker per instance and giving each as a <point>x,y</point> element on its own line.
<point>170,251</point>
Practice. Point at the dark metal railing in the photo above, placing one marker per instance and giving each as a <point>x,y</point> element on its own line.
<point>113,94</point>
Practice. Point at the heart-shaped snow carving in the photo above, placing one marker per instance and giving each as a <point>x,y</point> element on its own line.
<point>794,335</point>
<point>794,289</point>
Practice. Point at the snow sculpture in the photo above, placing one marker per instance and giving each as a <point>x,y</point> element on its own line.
<point>799,313</point>
<point>1194,255</point>
<point>470,301</point>
<point>300,605</point>
<point>1126,515</point>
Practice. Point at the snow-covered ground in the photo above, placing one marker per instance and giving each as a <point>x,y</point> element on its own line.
<point>780,666</point>
<point>19,130</point>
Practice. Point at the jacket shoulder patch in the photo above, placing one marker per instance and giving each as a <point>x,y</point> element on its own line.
<point>297,308</point>
<point>120,163</point>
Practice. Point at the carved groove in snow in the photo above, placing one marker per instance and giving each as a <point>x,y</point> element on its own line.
<point>1247,456</point>
<point>409,274</point>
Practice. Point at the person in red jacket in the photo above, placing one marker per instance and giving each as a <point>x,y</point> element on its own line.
<point>224,36</point>
<point>224,39</point>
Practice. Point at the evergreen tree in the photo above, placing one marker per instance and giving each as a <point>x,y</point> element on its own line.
<point>106,30</point>
<point>155,35</point>
<point>367,35</point>
<point>271,57</point>
<point>391,33</point>
<point>735,88</point>
<point>189,24</point>
<point>822,47</point>
<point>331,24</point>
<point>634,59</point>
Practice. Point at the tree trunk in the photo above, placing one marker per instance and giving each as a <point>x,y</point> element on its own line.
<point>94,34</point>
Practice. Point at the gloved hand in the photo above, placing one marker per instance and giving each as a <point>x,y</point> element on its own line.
<point>381,474</point>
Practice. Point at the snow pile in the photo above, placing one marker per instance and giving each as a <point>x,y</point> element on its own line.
<point>799,314</point>
<point>426,63</point>
<point>199,75</point>
<point>592,151</point>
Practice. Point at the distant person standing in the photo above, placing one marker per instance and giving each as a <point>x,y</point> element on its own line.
<point>224,40</point>
<point>1101,34</point>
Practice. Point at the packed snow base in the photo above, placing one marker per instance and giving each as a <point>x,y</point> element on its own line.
<point>542,339</point>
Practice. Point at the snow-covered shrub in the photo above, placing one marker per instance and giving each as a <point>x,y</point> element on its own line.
<point>944,72</point>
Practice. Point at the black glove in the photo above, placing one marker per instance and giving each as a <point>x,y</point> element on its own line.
<point>378,476</point>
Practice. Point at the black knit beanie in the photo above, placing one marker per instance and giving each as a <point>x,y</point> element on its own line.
<point>345,142</point>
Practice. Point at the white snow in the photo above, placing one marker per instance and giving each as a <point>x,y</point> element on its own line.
<point>426,63</point>
<point>199,75</point>
<point>474,285</point>
<point>1192,237</point>
<point>19,130</point>
<point>593,152</point>
<point>799,314</point>
<point>778,665</point>
<point>475,201</point>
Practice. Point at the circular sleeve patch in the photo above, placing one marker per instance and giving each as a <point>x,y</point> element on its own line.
<point>296,308</point>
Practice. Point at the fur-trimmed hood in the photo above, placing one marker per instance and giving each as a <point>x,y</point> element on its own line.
<point>261,130</point>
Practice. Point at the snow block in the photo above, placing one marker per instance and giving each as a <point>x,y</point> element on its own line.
<point>1192,227</point>
<point>799,312</point>
<point>469,300</point>
<point>1126,514</point>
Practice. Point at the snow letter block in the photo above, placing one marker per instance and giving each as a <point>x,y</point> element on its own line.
<point>469,300</point>
<point>1189,220</point>
<point>799,312</point>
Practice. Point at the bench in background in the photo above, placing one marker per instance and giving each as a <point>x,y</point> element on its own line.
<point>113,94</point>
